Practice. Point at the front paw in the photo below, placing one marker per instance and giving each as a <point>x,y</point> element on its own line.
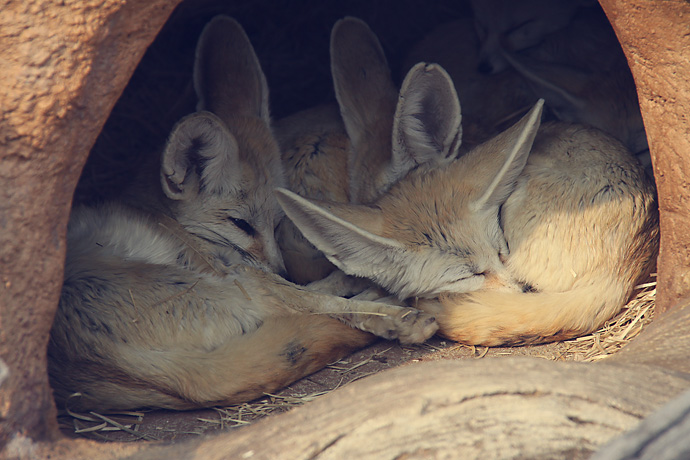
<point>408,325</point>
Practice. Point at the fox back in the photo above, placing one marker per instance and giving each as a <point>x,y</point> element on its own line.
<point>582,74</point>
<point>314,149</point>
<point>509,247</point>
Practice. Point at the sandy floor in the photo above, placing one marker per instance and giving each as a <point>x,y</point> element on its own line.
<point>172,426</point>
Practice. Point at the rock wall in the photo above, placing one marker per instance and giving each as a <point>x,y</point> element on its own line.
<point>655,37</point>
<point>63,66</point>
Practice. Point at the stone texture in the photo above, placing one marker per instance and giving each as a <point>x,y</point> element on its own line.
<point>655,37</point>
<point>63,66</point>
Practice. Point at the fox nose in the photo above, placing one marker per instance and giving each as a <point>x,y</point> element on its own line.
<point>500,282</point>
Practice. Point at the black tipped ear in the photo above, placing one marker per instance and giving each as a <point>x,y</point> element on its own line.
<point>200,154</point>
<point>227,75</point>
<point>427,126</point>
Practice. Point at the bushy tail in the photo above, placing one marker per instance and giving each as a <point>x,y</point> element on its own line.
<point>492,318</point>
<point>282,350</point>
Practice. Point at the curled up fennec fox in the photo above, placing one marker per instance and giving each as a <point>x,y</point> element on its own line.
<point>356,151</point>
<point>173,304</point>
<point>503,246</point>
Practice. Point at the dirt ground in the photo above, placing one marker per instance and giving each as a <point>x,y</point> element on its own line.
<point>161,425</point>
<point>175,426</point>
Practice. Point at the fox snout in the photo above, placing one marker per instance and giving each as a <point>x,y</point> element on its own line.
<point>504,282</point>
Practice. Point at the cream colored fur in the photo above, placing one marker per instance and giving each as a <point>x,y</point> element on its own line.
<point>504,246</point>
<point>314,149</point>
<point>377,137</point>
<point>176,303</point>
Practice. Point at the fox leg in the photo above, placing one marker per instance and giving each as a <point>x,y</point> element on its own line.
<point>280,351</point>
<point>340,284</point>
<point>409,325</point>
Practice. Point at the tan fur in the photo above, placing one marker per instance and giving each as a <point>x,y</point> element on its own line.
<point>578,228</point>
<point>378,137</point>
<point>172,303</point>
<point>367,99</point>
<point>490,102</point>
<point>334,158</point>
<point>314,149</point>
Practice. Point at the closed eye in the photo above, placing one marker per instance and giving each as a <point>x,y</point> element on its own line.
<point>243,225</point>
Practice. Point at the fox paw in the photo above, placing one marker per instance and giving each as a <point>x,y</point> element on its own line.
<point>408,325</point>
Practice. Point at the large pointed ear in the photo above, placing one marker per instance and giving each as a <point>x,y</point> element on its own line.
<point>363,85</point>
<point>200,154</point>
<point>427,126</point>
<point>228,78</point>
<point>345,233</point>
<point>507,154</point>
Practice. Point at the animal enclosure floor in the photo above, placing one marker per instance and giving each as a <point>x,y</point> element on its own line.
<point>173,426</point>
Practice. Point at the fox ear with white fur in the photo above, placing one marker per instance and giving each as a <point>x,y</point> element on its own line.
<point>362,81</point>
<point>200,154</point>
<point>366,96</point>
<point>427,128</point>
<point>347,234</point>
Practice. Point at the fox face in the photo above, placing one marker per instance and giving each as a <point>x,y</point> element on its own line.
<point>221,164</point>
<point>437,231</point>
<point>225,197</point>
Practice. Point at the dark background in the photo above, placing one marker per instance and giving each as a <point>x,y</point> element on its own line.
<point>291,39</point>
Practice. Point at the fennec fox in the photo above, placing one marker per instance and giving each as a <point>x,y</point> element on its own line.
<point>579,70</point>
<point>314,149</point>
<point>504,246</point>
<point>378,135</point>
<point>176,307</point>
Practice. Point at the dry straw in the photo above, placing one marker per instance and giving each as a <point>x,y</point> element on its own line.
<point>610,338</point>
